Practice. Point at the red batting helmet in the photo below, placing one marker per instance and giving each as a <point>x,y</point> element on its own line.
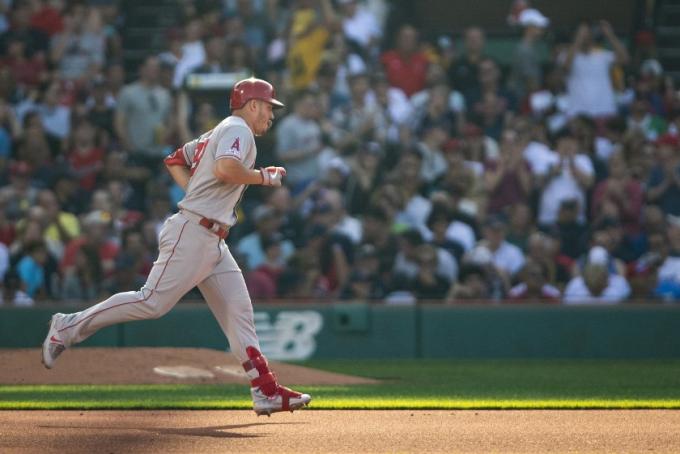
<point>252,88</point>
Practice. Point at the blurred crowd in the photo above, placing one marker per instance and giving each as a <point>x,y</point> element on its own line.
<point>419,167</point>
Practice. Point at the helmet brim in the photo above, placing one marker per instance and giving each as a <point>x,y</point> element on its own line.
<point>275,103</point>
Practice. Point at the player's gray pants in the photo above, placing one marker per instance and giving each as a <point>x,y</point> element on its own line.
<point>189,255</point>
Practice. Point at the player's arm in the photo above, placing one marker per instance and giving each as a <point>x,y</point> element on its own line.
<point>178,164</point>
<point>231,171</point>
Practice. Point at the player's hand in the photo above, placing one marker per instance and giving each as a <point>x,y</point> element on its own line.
<point>272,175</point>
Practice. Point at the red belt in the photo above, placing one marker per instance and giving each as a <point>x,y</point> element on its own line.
<point>214,227</point>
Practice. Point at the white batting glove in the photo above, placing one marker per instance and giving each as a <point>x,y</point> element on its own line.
<point>271,176</point>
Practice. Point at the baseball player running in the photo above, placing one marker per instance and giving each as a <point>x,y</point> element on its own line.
<point>214,170</point>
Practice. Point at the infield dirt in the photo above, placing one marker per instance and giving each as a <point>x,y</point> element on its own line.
<point>308,431</point>
<point>119,366</point>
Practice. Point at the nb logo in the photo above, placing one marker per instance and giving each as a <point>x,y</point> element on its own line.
<point>291,336</point>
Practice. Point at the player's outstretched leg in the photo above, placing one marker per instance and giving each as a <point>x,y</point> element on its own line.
<point>227,296</point>
<point>268,396</point>
<point>174,273</point>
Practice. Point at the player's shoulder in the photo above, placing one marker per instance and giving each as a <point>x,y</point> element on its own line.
<point>233,126</point>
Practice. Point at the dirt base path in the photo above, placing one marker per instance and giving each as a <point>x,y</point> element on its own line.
<point>110,366</point>
<point>339,431</point>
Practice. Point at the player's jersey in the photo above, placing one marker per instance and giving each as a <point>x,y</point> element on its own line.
<point>206,195</point>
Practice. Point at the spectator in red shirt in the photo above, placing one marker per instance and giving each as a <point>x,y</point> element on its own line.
<point>47,17</point>
<point>509,179</point>
<point>406,65</point>
<point>85,158</point>
<point>619,196</point>
<point>28,72</point>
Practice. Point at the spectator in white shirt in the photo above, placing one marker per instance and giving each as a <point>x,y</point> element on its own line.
<point>568,179</point>
<point>597,285</point>
<point>359,24</point>
<point>507,258</point>
<point>589,86</point>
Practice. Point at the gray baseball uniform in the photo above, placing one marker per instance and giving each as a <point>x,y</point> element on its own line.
<point>189,253</point>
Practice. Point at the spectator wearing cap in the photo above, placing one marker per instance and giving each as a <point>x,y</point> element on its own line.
<point>330,211</point>
<point>597,285</point>
<point>463,73</point>
<point>508,181</point>
<point>345,59</point>
<point>299,141</point>
<point>568,179</point>
<point>250,247</point>
<point>589,87</point>
<point>358,121</point>
<point>406,65</point>
<point>643,273</point>
<point>142,113</point>
<point>526,74</point>
<point>395,107</point>
<point>533,286</point>
<point>663,185</point>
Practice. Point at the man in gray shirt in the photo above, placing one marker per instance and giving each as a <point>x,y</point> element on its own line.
<point>143,111</point>
<point>526,72</point>
<point>298,141</point>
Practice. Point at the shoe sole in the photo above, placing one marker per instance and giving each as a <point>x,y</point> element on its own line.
<point>45,344</point>
<point>293,407</point>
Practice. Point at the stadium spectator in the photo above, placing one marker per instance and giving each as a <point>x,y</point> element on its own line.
<point>663,185</point>
<point>310,31</point>
<point>406,65</point>
<point>31,270</point>
<point>589,86</point>
<point>567,180</point>
<point>299,141</point>
<point>359,120</point>
<point>463,73</point>
<point>526,73</point>
<point>533,286</point>
<point>360,26</point>
<point>12,293</point>
<point>597,284</point>
<point>508,181</point>
<point>80,47</point>
<point>250,247</point>
<point>142,113</point>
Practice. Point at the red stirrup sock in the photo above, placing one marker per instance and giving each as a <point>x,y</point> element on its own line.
<point>258,371</point>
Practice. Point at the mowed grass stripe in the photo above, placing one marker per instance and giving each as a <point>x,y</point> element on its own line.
<point>429,384</point>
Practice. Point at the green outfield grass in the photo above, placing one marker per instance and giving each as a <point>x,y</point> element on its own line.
<point>425,384</point>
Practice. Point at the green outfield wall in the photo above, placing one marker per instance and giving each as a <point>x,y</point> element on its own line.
<point>302,331</point>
